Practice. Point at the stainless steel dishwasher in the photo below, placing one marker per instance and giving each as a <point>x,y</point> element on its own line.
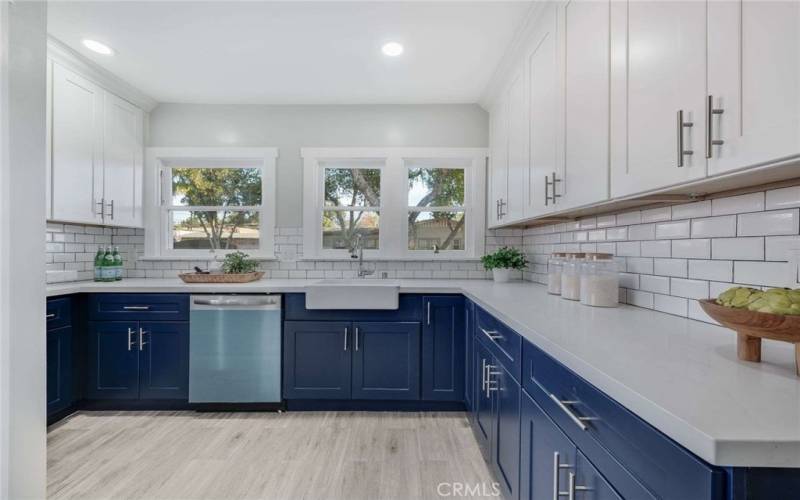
<point>235,349</point>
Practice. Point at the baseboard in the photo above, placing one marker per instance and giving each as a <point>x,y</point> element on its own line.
<point>371,405</point>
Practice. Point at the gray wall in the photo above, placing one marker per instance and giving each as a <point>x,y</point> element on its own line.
<point>22,292</point>
<point>291,127</point>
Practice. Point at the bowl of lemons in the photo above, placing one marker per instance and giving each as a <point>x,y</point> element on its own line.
<point>758,314</point>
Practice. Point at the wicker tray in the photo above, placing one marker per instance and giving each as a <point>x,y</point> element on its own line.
<point>752,326</point>
<point>220,277</point>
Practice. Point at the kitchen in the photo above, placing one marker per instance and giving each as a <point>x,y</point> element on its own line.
<point>400,249</point>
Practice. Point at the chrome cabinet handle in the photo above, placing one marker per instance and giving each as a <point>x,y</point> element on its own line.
<point>488,387</point>
<point>497,209</point>
<point>546,190</point>
<point>710,141</point>
<point>345,338</point>
<point>356,338</point>
<point>141,339</point>
<point>111,206</point>
<point>493,335</point>
<point>131,333</point>
<point>572,487</point>
<point>681,125</point>
<point>429,312</point>
<point>502,204</point>
<point>50,316</point>
<point>564,405</point>
<point>557,466</point>
<point>483,374</point>
<point>555,196</point>
<point>136,308</point>
<point>102,205</point>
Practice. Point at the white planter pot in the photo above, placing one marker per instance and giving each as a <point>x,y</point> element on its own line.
<point>502,275</point>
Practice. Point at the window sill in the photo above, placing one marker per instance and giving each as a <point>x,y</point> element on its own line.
<point>186,258</point>
<point>421,258</point>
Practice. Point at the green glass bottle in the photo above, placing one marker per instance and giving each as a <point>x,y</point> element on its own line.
<point>117,264</point>
<point>98,264</point>
<point>108,265</point>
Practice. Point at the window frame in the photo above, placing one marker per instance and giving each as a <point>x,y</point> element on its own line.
<point>160,161</point>
<point>396,161</point>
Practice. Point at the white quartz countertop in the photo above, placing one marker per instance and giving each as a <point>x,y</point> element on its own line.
<point>681,376</point>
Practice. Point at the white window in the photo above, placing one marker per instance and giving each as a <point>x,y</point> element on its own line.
<point>401,203</point>
<point>210,201</point>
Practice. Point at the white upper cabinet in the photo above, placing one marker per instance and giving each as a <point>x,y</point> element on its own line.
<point>513,207</point>
<point>753,83</point>
<point>76,175</point>
<point>544,99</point>
<point>586,103</point>
<point>122,161</point>
<point>96,148</point>
<point>498,161</point>
<point>659,140</point>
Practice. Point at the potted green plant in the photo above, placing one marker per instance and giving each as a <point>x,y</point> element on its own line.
<point>239,263</point>
<point>502,262</point>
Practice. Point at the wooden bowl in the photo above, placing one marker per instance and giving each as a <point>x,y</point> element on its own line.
<point>220,277</point>
<point>752,326</point>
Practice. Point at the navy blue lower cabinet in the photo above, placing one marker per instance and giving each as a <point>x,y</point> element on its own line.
<point>443,344</point>
<point>59,369</point>
<point>505,436</point>
<point>469,360</point>
<point>547,456</point>
<point>482,408</point>
<point>163,360</point>
<point>386,360</point>
<point>316,359</point>
<point>113,360</point>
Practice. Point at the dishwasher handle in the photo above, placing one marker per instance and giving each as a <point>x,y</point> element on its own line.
<point>260,302</point>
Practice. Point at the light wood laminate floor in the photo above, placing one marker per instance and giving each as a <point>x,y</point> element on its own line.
<point>293,455</point>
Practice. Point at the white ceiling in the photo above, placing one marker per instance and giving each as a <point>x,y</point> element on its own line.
<point>295,52</point>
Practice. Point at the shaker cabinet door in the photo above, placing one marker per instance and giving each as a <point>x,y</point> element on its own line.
<point>443,347</point>
<point>498,161</point>
<point>113,360</point>
<point>753,101</point>
<point>164,360</point>
<point>122,161</point>
<point>316,359</point>
<point>513,205</point>
<point>658,82</point>
<point>386,360</point>
<point>76,149</point>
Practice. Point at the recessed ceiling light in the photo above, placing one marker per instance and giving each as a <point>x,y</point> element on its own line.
<point>392,49</point>
<point>98,47</point>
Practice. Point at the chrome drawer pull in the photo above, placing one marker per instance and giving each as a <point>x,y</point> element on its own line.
<point>492,334</point>
<point>579,421</point>
<point>136,308</point>
<point>345,338</point>
<point>50,316</point>
<point>131,343</point>
<point>141,339</point>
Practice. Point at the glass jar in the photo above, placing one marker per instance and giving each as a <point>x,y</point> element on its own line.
<point>571,276</point>
<point>554,273</point>
<point>599,280</point>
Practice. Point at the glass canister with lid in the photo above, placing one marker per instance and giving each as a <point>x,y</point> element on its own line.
<point>554,273</point>
<point>599,280</point>
<point>571,276</point>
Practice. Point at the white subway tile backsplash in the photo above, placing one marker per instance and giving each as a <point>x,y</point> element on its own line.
<point>670,267</point>
<point>672,230</point>
<point>699,248</point>
<point>696,312</point>
<point>752,202</point>
<point>776,274</point>
<point>737,248</point>
<point>661,248</point>
<point>716,270</point>
<point>777,248</point>
<point>656,284</point>
<point>597,235</point>
<point>617,233</point>
<point>692,210</point>
<point>607,221</point>
<point>691,289</point>
<point>628,218</point>
<point>769,223</point>
<point>671,305</point>
<point>640,298</point>
<point>714,227</point>
<point>629,249</point>
<point>629,280</point>
<point>641,265</point>
<point>783,198</point>
<point>657,214</point>
<point>588,223</point>
<point>642,232</point>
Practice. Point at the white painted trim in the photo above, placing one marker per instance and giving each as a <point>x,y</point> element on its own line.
<point>5,240</point>
<point>155,212</point>
<point>61,53</point>
<point>394,223</point>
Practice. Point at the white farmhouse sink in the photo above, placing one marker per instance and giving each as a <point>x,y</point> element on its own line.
<point>353,294</point>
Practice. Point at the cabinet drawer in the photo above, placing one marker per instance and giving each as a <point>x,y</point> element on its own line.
<point>59,313</point>
<point>653,458</point>
<point>504,342</point>
<point>138,306</point>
